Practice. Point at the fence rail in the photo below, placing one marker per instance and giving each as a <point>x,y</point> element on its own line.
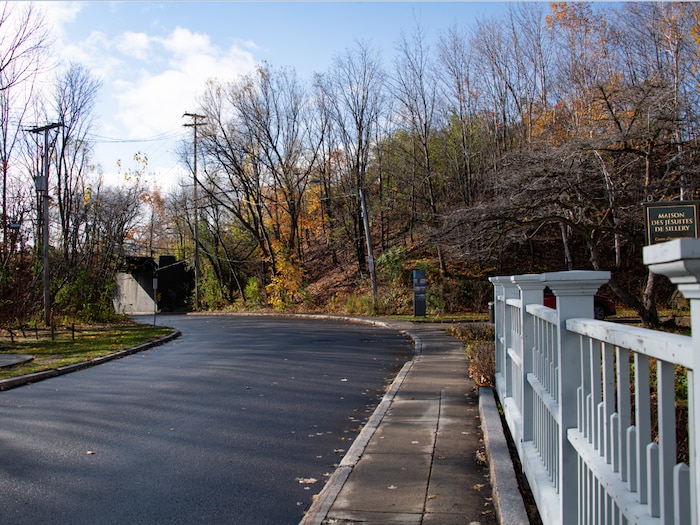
<point>596,409</point>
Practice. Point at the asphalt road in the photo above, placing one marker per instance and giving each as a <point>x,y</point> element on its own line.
<point>231,423</point>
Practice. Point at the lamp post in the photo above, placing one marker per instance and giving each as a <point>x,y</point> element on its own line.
<point>42,187</point>
<point>11,230</point>
<point>14,227</point>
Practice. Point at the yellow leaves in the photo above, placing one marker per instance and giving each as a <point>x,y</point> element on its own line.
<point>569,14</point>
<point>87,195</point>
<point>136,174</point>
<point>695,28</point>
<point>286,285</point>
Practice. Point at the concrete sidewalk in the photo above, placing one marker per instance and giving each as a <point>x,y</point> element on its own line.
<point>10,360</point>
<point>421,458</point>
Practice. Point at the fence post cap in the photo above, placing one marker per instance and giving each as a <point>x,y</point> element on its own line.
<point>530,281</point>
<point>679,260</point>
<point>671,251</point>
<point>576,282</point>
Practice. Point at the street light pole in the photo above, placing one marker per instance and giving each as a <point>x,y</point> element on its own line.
<point>42,186</point>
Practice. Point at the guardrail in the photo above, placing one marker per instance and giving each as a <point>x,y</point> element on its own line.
<point>593,406</point>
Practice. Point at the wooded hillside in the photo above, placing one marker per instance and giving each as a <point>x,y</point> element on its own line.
<point>529,145</point>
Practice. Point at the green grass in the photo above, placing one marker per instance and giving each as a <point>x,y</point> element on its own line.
<point>69,346</point>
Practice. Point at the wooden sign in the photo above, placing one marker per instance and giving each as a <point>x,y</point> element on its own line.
<point>666,221</point>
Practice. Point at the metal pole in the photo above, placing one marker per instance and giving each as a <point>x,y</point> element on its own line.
<point>155,294</point>
<point>370,253</point>
<point>47,294</point>
<point>195,125</point>
<point>43,187</point>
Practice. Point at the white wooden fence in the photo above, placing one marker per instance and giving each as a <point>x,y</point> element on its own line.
<point>591,405</point>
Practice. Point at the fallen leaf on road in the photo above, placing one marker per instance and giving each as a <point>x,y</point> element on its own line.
<point>478,486</point>
<point>306,481</point>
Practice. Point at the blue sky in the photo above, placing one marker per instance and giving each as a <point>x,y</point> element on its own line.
<point>154,57</point>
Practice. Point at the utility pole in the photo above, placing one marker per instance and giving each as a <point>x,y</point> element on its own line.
<point>195,124</point>
<point>42,187</point>
<point>370,252</point>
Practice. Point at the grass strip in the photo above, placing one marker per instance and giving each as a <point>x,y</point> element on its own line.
<point>57,348</point>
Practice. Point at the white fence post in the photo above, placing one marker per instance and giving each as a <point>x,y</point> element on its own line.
<point>504,289</point>
<point>574,291</point>
<point>499,327</point>
<point>531,290</point>
<point>679,260</point>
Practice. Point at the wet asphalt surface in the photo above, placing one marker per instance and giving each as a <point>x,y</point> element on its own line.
<point>239,421</point>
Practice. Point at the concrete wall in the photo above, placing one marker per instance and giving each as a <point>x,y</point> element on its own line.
<point>132,298</point>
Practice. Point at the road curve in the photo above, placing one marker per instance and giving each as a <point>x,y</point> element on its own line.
<point>238,421</point>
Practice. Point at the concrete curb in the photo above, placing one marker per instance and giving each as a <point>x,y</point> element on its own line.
<point>507,499</point>
<point>14,382</point>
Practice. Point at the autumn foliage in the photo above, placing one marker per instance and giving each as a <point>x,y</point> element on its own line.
<point>530,143</point>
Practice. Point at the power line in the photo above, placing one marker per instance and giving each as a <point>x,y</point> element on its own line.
<point>168,135</point>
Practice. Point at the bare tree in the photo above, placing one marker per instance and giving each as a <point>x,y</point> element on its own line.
<point>459,90</point>
<point>276,113</point>
<point>24,43</point>
<point>414,84</point>
<point>234,177</point>
<point>73,104</point>
<point>355,95</point>
<point>616,142</point>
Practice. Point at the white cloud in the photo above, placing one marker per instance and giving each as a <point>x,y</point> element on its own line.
<point>56,14</point>
<point>149,79</point>
<point>94,53</point>
<point>134,45</point>
<point>182,42</point>
<point>152,100</point>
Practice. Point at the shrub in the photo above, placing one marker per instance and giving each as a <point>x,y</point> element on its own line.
<point>253,293</point>
<point>478,339</point>
<point>287,286</point>
<point>391,265</point>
